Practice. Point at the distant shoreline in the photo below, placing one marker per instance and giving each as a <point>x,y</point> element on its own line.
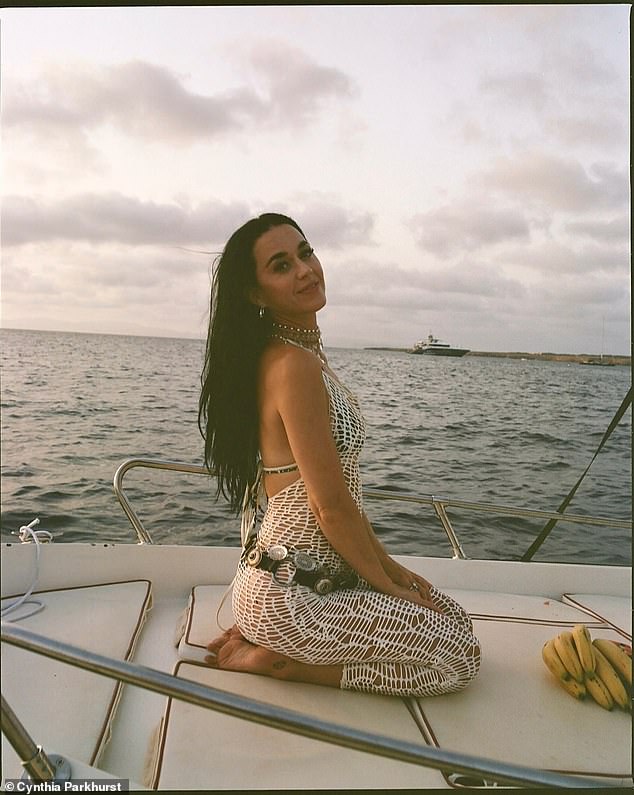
<point>574,358</point>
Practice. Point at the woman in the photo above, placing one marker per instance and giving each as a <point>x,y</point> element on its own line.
<point>316,598</point>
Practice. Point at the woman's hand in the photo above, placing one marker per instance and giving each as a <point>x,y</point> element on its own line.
<point>404,583</point>
<point>416,588</point>
<point>411,594</point>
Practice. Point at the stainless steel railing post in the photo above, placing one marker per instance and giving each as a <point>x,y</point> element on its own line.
<point>33,758</point>
<point>441,513</point>
<point>174,466</point>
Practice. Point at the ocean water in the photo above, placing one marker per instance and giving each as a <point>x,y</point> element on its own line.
<point>510,432</point>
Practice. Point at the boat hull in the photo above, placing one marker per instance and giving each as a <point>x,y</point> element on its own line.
<point>526,608</point>
<point>443,352</point>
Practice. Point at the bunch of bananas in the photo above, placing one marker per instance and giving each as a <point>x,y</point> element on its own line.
<point>600,667</point>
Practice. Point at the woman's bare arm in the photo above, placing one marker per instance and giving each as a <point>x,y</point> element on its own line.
<point>399,574</point>
<point>292,388</point>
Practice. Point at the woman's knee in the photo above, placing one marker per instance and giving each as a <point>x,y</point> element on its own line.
<point>465,662</point>
<point>475,655</point>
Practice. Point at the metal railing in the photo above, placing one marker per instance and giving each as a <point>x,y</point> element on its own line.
<point>439,505</point>
<point>33,758</point>
<point>149,463</point>
<point>273,716</point>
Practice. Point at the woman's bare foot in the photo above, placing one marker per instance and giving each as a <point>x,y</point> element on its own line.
<point>231,651</point>
<point>220,641</point>
<point>240,655</point>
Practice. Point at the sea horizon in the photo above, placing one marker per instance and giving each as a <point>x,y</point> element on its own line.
<point>376,347</point>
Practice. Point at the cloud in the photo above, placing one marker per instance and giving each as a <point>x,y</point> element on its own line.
<point>294,85</point>
<point>592,292</point>
<point>368,283</point>
<point>106,287</point>
<point>557,182</point>
<point>24,278</point>
<point>153,103</point>
<point>557,258</point>
<point>525,88</point>
<point>113,217</point>
<point>473,279</point>
<point>555,84</point>
<point>467,226</point>
<point>334,227</point>
<point>137,97</point>
<point>574,130</point>
<point>615,231</point>
<point>575,61</point>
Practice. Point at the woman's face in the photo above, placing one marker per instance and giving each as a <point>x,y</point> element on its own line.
<point>290,281</point>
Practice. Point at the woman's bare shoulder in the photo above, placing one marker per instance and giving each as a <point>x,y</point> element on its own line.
<point>289,365</point>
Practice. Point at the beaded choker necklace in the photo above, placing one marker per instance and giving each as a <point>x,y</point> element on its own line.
<point>307,338</point>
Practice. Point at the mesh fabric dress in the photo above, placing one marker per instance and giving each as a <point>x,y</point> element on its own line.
<point>387,645</point>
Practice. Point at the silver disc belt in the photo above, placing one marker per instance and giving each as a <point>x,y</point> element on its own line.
<point>307,570</point>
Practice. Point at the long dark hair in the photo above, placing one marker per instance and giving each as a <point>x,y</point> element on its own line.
<point>227,409</point>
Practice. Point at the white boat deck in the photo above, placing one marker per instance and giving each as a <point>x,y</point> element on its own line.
<point>514,712</point>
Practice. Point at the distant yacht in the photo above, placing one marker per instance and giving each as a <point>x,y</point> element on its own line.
<point>433,347</point>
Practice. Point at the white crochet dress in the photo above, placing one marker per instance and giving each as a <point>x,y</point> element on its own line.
<point>386,645</point>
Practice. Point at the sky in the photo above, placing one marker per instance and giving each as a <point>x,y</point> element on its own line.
<point>460,170</point>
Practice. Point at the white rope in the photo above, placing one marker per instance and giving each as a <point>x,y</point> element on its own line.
<point>26,534</point>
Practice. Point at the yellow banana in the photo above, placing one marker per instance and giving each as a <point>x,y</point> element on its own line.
<point>599,692</point>
<point>558,670</point>
<point>568,654</point>
<point>574,688</point>
<point>583,644</point>
<point>611,680</point>
<point>553,661</point>
<point>616,656</point>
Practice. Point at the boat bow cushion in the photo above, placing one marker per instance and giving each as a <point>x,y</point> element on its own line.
<point>613,610</point>
<point>536,732</point>
<point>208,613</point>
<point>512,629</point>
<point>231,753</point>
<point>518,607</point>
<point>66,709</point>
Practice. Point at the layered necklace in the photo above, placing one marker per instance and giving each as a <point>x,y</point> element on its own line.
<point>307,338</point>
